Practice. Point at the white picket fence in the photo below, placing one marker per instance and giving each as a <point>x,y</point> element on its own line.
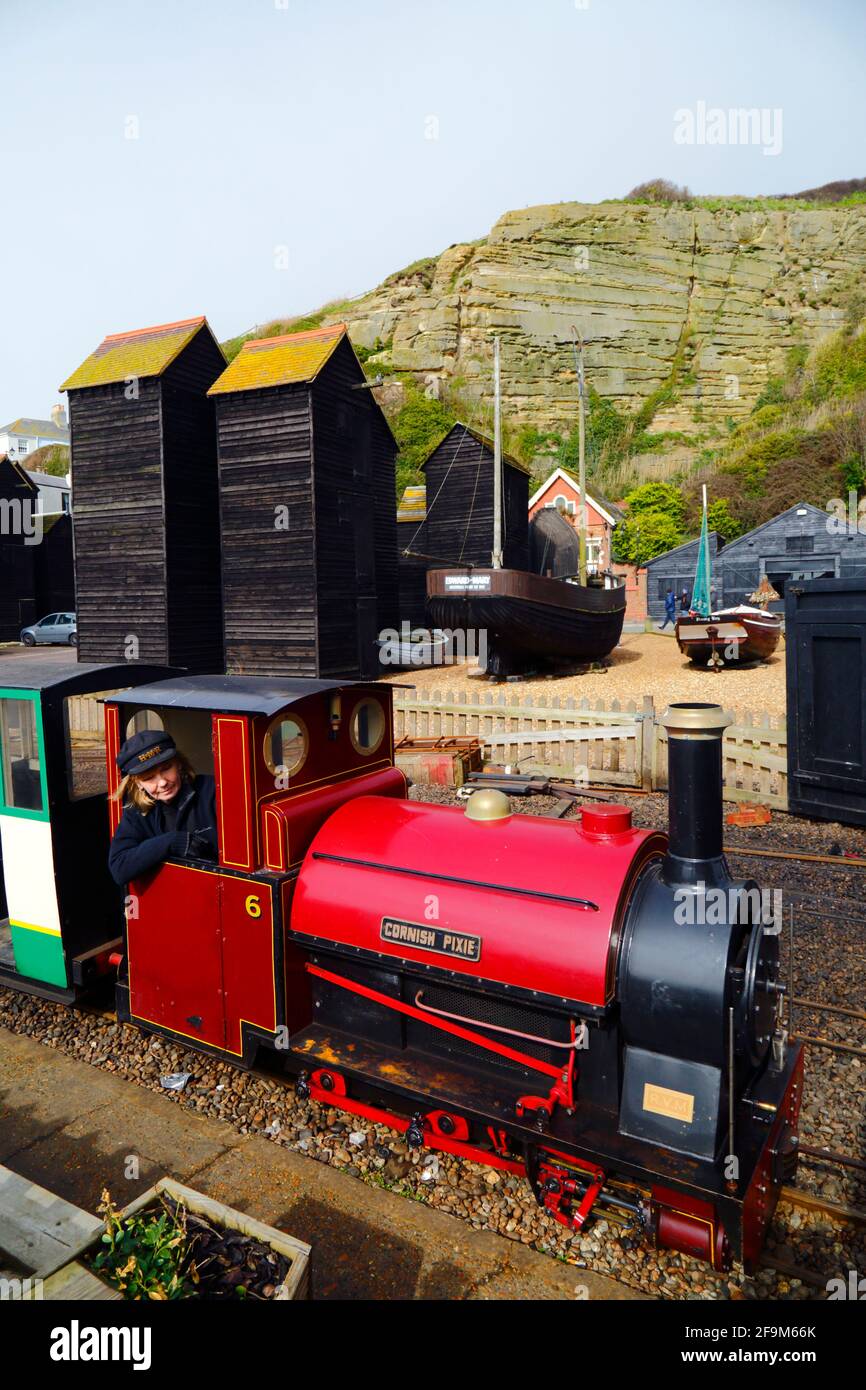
<point>614,744</point>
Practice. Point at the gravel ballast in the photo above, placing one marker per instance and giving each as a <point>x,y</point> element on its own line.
<point>830,961</point>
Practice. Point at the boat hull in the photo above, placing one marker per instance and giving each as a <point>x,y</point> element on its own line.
<point>728,638</point>
<point>528,619</point>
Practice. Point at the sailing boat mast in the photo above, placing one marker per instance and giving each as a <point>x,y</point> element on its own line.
<point>581,465</point>
<point>583,520</point>
<point>497,461</point>
<point>706,535</point>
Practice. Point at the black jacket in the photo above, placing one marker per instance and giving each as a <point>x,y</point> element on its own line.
<point>142,842</point>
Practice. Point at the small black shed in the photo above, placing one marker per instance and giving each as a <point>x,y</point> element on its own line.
<point>825,645</point>
<point>18,506</point>
<point>146,513</point>
<point>459,477</point>
<point>309,542</point>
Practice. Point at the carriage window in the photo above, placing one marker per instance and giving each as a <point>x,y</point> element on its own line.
<point>84,722</point>
<point>19,749</point>
<point>285,746</point>
<point>368,726</point>
<point>144,719</point>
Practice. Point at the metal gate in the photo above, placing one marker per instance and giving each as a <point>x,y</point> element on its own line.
<point>826,686</point>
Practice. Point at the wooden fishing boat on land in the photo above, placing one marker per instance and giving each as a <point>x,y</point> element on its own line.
<point>519,620</point>
<point>731,635</point>
<point>528,618</point>
<point>725,636</point>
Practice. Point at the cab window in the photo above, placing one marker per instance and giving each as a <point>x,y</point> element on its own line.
<point>368,726</point>
<point>19,756</point>
<point>84,722</point>
<point>144,719</point>
<point>285,746</point>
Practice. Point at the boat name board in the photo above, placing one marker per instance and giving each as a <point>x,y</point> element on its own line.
<point>467,583</point>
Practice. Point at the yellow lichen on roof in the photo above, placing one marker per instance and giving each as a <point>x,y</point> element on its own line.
<point>284,361</point>
<point>413,504</point>
<point>141,353</point>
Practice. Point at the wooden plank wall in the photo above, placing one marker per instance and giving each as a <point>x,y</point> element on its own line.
<point>192,536</point>
<point>346,519</point>
<point>412,573</point>
<point>459,476</point>
<point>118,522</point>
<point>268,573</point>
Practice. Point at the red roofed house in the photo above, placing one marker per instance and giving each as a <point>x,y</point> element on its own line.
<point>562,491</point>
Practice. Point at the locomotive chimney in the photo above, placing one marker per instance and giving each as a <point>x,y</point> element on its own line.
<point>694,792</point>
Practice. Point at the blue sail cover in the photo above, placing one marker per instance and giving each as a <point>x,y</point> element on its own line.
<point>701,590</point>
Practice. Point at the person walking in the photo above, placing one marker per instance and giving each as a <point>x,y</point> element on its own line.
<point>670,610</point>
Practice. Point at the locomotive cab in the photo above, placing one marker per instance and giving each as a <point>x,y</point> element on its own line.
<point>58,905</point>
<point>207,954</point>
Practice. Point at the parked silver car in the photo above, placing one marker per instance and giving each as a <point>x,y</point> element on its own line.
<point>57,627</point>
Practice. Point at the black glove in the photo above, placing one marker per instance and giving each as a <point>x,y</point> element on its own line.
<point>202,844</point>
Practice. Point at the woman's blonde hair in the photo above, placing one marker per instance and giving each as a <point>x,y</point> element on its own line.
<point>131,790</point>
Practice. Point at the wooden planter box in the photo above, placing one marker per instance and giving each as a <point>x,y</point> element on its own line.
<point>74,1280</point>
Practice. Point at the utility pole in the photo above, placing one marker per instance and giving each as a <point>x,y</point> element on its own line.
<point>497,461</point>
<point>581,455</point>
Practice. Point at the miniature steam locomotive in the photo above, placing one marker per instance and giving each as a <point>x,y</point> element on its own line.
<point>525,992</point>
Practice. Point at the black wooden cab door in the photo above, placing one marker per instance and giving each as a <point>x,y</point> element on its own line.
<point>827,704</point>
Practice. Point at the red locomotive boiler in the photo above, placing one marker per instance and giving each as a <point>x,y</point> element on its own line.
<point>522,991</point>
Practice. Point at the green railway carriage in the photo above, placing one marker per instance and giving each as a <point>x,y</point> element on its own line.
<point>59,910</point>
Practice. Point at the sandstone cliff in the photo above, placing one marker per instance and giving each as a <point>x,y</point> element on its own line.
<point>686,311</point>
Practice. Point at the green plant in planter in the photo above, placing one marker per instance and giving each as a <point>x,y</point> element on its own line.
<point>142,1255</point>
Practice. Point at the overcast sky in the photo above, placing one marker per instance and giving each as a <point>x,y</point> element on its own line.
<point>156,157</point>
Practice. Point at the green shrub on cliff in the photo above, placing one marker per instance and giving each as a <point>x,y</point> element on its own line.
<point>655,514</point>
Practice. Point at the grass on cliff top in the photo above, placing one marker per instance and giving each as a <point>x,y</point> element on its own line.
<point>303,323</point>
<point>734,203</point>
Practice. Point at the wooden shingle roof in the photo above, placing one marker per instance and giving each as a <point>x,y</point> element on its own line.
<point>141,353</point>
<point>284,361</point>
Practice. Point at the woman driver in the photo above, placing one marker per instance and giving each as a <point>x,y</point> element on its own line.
<point>169,810</point>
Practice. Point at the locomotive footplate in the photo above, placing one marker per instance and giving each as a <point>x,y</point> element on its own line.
<point>408,1083</point>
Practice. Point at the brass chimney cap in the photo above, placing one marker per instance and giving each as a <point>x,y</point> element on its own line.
<point>488,804</point>
<point>695,720</point>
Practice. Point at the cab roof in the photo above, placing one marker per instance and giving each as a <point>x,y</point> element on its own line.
<point>234,694</point>
<point>37,673</point>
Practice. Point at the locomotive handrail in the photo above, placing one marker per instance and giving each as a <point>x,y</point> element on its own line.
<point>586,903</point>
<point>576,1043</point>
<point>468,1035</point>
